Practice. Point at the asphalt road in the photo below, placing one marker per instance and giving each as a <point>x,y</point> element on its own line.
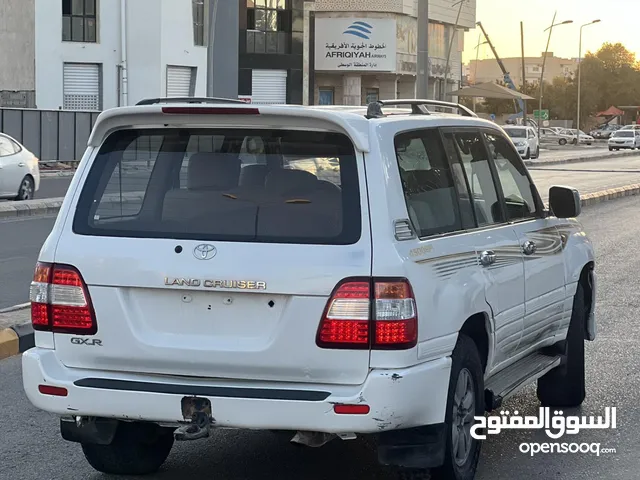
<point>31,448</point>
<point>20,242</point>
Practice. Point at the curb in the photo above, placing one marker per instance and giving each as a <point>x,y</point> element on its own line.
<point>16,340</point>
<point>563,161</point>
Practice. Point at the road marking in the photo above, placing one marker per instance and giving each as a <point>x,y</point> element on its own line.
<point>20,306</point>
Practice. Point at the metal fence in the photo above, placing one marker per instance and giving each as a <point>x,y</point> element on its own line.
<point>52,135</point>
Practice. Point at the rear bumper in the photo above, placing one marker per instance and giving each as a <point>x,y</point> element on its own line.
<point>398,399</point>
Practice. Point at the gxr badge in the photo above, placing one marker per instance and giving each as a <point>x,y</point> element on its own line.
<point>90,342</point>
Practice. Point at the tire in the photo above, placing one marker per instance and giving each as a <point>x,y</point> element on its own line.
<point>527,155</point>
<point>537,153</point>
<point>610,149</point>
<point>562,141</point>
<point>574,141</point>
<point>466,367</point>
<point>137,449</point>
<point>26,190</point>
<point>564,386</point>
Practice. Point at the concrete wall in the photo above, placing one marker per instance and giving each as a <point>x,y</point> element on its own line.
<point>177,47</point>
<point>17,51</point>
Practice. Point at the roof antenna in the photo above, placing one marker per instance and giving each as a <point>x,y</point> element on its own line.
<point>374,110</point>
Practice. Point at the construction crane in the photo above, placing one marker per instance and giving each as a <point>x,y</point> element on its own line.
<point>505,74</point>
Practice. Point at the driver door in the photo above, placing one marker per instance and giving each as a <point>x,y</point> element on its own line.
<point>540,243</point>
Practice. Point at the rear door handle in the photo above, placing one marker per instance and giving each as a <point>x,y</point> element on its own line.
<point>488,257</point>
<point>21,164</point>
<point>529,247</point>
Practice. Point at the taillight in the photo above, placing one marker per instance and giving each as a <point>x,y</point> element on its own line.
<point>60,301</point>
<point>366,313</point>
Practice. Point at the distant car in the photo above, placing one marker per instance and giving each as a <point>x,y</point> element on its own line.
<point>19,170</point>
<point>525,140</point>
<point>625,139</point>
<point>569,135</point>
<point>604,131</point>
<point>631,127</point>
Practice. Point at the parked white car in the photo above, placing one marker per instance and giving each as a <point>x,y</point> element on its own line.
<point>569,135</point>
<point>19,170</point>
<point>624,139</point>
<point>525,139</point>
<point>367,275</point>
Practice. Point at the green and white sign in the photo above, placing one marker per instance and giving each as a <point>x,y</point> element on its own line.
<point>544,116</point>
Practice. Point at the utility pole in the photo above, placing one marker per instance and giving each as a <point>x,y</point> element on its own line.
<point>223,49</point>
<point>422,77</point>
<point>454,35</point>
<point>524,76</point>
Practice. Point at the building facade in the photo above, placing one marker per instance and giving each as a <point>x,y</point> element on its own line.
<point>108,53</point>
<point>271,50</point>
<point>17,53</point>
<point>487,70</point>
<point>364,50</point>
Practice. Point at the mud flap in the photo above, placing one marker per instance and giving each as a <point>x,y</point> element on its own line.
<point>97,431</point>
<point>421,447</point>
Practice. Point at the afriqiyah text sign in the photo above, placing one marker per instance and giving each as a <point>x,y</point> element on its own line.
<point>355,44</point>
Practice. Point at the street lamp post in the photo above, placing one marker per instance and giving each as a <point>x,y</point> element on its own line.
<point>544,60</point>
<point>454,34</point>
<point>579,75</point>
<point>475,69</point>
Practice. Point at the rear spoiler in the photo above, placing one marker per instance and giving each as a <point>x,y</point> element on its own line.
<point>239,114</point>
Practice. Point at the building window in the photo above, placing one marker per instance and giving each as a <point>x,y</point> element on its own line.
<point>326,96</point>
<point>82,86</point>
<point>198,23</point>
<point>437,41</point>
<point>268,26</point>
<point>372,95</point>
<point>79,21</point>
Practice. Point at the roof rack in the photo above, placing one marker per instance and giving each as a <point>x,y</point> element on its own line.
<point>418,107</point>
<point>153,101</point>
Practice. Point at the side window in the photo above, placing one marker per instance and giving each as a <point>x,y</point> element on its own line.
<point>18,149</point>
<point>6,147</point>
<point>514,180</point>
<point>475,160</point>
<point>428,183</point>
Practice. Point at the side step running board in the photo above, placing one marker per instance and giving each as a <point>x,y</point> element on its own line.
<point>507,382</point>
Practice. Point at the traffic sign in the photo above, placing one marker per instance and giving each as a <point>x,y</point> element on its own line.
<point>545,114</point>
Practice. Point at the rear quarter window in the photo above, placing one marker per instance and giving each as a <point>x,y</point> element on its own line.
<point>273,186</point>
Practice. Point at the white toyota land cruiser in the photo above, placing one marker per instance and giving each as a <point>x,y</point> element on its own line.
<point>330,272</point>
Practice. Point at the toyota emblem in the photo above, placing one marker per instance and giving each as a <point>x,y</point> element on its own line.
<point>204,251</point>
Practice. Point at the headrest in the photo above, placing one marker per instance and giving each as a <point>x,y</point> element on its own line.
<point>289,181</point>
<point>253,175</point>
<point>213,171</point>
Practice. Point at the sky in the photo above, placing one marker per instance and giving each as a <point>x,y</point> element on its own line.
<point>620,22</point>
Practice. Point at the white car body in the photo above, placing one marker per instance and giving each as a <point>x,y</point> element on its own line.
<point>238,323</point>
<point>525,140</point>
<point>631,127</point>
<point>571,133</point>
<point>624,139</point>
<point>19,170</point>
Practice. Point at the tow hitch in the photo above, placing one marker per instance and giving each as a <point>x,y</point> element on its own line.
<point>198,412</point>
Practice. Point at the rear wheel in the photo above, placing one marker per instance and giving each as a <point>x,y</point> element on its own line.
<point>528,154</point>
<point>27,189</point>
<point>137,449</point>
<point>465,401</point>
<point>562,141</point>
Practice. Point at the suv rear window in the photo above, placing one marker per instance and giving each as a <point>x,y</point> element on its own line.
<point>253,185</point>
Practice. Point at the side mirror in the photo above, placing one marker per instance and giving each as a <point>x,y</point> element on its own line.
<point>564,202</point>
